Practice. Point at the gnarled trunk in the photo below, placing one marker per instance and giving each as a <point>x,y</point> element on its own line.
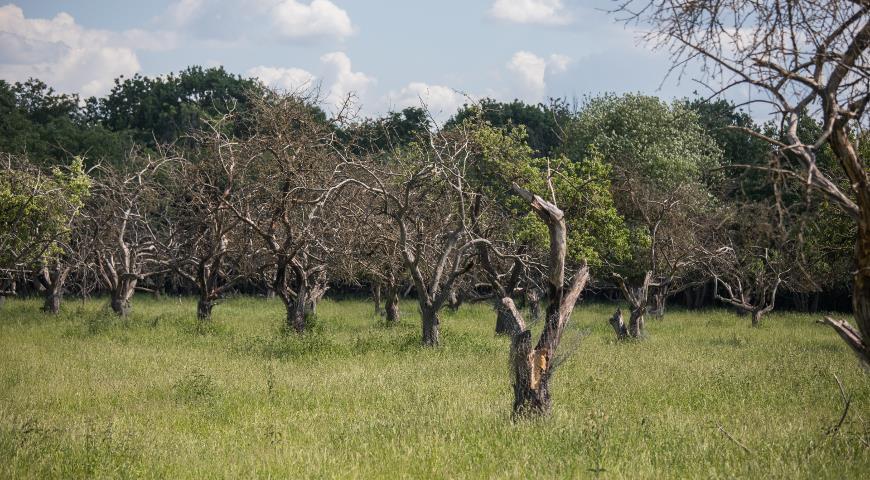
<point>121,295</point>
<point>454,301</point>
<point>52,302</point>
<point>531,377</point>
<point>636,322</point>
<point>659,302</point>
<point>618,325</point>
<point>296,317</point>
<point>431,334</point>
<point>203,308</point>
<point>504,322</point>
<point>391,306</point>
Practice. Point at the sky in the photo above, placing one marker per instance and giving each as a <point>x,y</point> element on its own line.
<point>390,53</point>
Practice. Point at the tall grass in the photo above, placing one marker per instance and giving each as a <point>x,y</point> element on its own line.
<point>158,395</point>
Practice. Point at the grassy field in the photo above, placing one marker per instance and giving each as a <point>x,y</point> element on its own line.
<point>88,395</point>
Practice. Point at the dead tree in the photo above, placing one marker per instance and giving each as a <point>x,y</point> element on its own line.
<point>287,178</point>
<point>806,56</point>
<point>532,368</point>
<point>205,242</point>
<point>670,219</point>
<point>420,191</point>
<point>748,257</point>
<point>120,221</point>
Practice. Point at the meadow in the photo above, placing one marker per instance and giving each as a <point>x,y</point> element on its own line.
<point>157,395</point>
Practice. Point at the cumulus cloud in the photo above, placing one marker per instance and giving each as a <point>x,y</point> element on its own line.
<point>441,101</point>
<point>531,72</point>
<point>287,79</point>
<point>66,55</point>
<point>337,79</point>
<point>542,12</point>
<point>342,80</point>
<point>320,18</point>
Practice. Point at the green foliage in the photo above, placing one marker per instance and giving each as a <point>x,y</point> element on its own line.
<point>51,129</point>
<point>662,143</point>
<point>162,109</point>
<point>37,210</point>
<point>582,190</point>
<point>541,122</point>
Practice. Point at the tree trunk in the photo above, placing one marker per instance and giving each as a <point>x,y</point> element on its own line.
<point>52,302</point>
<point>659,300</point>
<point>504,322</point>
<point>391,304</point>
<point>454,301</point>
<point>756,317</point>
<point>376,298</point>
<point>534,304</point>
<point>431,335</point>
<point>296,316</point>
<point>121,296</point>
<point>636,323</point>
<point>618,325</point>
<point>531,377</point>
<point>203,309</point>
<point>120,305</point>
<point>861,286</point>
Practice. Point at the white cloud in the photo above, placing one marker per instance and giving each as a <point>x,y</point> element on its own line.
<point>531,72</point>
<point>64,54</point>
<point>286,79</point>
<point>342,80</point>
<point>320,18</point>
<point>337,79</point>
<point>441,101</point>
<point>542,12</point>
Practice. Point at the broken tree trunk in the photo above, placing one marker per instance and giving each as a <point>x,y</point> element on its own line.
<point>532,368</point>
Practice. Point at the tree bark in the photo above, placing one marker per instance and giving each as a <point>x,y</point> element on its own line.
<point>636,322</point>
<point>431,322</point>
<point>532,368</point>
<point>296,316</point>
<point>756,317</point>
<point>376,298</point>
<point>203,308</point>
<point>121,295</point>
<point>120,306</point>
<point>618,325</point>
<point>504,323</point>
<point>534,304</point>
<point>454,301</point>
<point>52,302</point>
<point>659,302</point>
<point>391,304</point>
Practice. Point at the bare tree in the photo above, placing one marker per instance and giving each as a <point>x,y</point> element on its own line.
<point>207,244</point>
<point>120,222</point>
<point>666,261</point>
<point>805,57</point>
<point>286,179</point>
<point>421,188</point>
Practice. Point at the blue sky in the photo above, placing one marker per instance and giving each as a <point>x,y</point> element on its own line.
<point>391,53</point>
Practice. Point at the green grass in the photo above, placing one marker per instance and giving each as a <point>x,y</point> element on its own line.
<point>88,395</point>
